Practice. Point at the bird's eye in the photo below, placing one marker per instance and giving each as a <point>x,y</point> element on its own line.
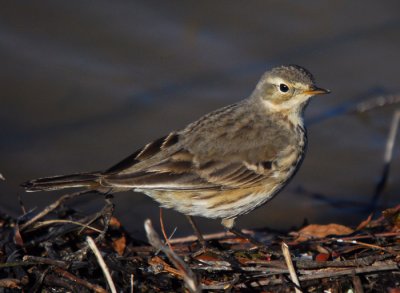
<point>283,88</point>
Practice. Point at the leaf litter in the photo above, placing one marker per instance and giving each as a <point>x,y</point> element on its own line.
<point>51,254</point>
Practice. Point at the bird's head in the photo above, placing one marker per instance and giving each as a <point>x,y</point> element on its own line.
<point>287,88</point>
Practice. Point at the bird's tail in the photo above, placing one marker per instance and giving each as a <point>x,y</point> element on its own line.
<point>82,180</point>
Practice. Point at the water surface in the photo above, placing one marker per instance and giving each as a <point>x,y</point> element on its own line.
<point>84,85</point>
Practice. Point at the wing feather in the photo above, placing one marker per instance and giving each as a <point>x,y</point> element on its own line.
<point>180,172</point>
<point>202,157</point>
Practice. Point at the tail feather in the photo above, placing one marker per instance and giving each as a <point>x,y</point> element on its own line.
<point>82,180</point>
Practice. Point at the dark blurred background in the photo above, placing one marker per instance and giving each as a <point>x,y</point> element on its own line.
<point>86,83</point>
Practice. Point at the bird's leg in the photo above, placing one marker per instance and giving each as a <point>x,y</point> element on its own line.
<point>196,230</point>
<point>229,223</point>
<point>204,246</point>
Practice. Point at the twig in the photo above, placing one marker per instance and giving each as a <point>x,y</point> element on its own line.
<point>304,266</point>
<point>29,260</point>
<point>102,263</point>
<point>188,276</point>
<point>221,267</point>
<point>387,160</point>
<point>289,263</point>
<point>358,288</point>
<point>16,264</point>
<point>106,213</point>
<point>313,275</point>
<point>163,229</point>
<point>359,105</point>
<point>372,246</point>
<point>54,281</point>
<point>131,283</point>
<point>75,279</point>
<point>376,235</point>
<point>41,275</point>
<point>169,240</point>
<point>52,207</point>
<point>21,204</point>
<point>378,267</point>
<point>359,262</point>
<point>192,238</point>
<point>49,222</point>
<point>43,260</point>
<point>376,102</point>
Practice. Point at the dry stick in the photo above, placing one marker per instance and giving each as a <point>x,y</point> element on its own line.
<point>52,207</point>
<point>54,281</point>
<point>315,275</point>
<point>221,266</point>
<point>102,263</point>
<point>305,274</point>
<point>163,229</point>
<point>368,236</point>
<point>188,276</point>
<point>376,102</point>
<point>131,280</point>
<point>359,262</point>
<point>43,260</point>
<point>372,246</point>
<point>21,204</point>
<point>49,222</point>
<point>79,281</point>
<point>16,264</point>
<point>311,264</point>
<point>355,107</point>
<point>39,280</point>
<point>309,269</point>
<point>106,213</point>
<point>346,272</point>
<point>289,263</point>
<point>358,287</point>
<point>193,238</point>
<point>387,160</point>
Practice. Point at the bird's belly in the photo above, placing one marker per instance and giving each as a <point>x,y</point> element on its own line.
<point>215,204</point>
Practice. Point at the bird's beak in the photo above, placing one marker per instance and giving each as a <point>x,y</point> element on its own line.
<point>316,91</point>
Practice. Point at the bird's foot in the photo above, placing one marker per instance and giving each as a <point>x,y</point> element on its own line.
<point>215,256</point>
<point>259,245</point>
<point>210,248</point>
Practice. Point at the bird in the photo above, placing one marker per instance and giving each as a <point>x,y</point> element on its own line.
<point>223,165</point>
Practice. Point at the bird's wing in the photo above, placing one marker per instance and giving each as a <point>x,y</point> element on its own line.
<point>232,147</point>
<point>169,164</point>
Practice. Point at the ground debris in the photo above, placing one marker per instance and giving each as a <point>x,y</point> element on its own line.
<point>50,253</point>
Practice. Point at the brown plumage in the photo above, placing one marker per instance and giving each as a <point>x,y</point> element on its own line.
<point>223,165</point>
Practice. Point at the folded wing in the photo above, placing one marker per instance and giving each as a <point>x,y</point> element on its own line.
<point>166,164</point>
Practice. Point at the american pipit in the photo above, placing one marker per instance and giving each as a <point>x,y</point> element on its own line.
<point>223,165</point>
